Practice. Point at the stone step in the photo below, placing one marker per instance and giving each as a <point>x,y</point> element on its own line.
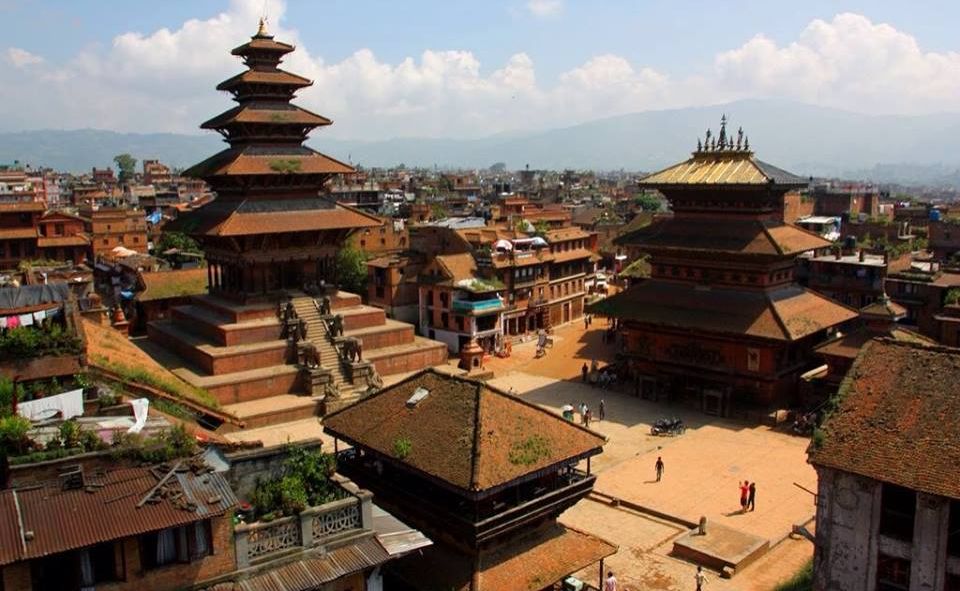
<point>283,408</point>
<point>418,354</point>
<point>234,311</point>
<point>391,333</point>
<point>219,330</point>
<point>214,359</point>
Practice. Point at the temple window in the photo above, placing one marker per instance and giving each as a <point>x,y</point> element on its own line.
<point>893,574</point>
<point>898,506</point>
<point>753,360</point>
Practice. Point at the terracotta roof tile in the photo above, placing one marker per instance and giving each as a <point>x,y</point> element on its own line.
<point>571,255</point>
<point>464,432</point>
<point>279,77</point>
<point>251,161</point>
<point>15,233</point>
<point>531,561</point>
<point>266,113</point>
<point>24,206</point>
<point>458,266</point>
<point>55,241</point>
<point>898,418</point>
<point>788,314</point>
<point>729,236</point>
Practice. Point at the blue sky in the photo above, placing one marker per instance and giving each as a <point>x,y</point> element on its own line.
<point>475,67</point>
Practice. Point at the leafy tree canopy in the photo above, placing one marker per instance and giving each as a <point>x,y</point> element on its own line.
<point>352,270</point>
<point>127,165</point>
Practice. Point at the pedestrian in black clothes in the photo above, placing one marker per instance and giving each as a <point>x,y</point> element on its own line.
<point>659,467</point>
<point>584,371</point>
<point>752,496</point>
<point>602,410</point>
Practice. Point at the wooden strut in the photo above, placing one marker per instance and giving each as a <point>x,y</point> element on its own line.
<point>159,484</point>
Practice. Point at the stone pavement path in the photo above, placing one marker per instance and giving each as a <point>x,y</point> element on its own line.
<point>703,467</point>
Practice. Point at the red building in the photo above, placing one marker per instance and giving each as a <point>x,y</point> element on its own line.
<point>721,320</point>
<point>62,238</point>
<point>18,232</point>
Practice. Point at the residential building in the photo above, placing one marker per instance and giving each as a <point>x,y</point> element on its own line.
<point>391,236</point>
<point>62,238</point>
<point>721,321</point>
<point>888,500</point>
<point>923,290</point>
<point>944,239</point>
<point>482,473</point>
<point>155,173</point>
<point>846,200</point>
<point>855,279</point>
<point>18,232</point>
<point>457,305</point>
<point>112,227</point>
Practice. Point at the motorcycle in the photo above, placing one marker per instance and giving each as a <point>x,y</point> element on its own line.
<point>668,426</point>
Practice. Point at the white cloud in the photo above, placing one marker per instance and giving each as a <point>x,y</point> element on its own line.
<point>164,81</point>
<point>21,58</point>
<point>542,8</point>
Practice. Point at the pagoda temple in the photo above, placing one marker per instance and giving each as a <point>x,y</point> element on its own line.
<point>268,230</point>
<point>721,321</point>
<point>275,340</point>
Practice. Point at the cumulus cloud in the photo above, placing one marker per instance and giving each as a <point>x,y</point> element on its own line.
<point>542,8</point>
<point>21,58</point>
<point>163,81</point>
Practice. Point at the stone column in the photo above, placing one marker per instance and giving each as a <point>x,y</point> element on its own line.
<point>928,559</point>
<point>241,547</point>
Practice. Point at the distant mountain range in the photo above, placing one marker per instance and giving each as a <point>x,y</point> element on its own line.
<point>804,139</point>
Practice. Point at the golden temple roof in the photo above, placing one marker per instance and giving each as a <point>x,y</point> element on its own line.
<point>722,160</point>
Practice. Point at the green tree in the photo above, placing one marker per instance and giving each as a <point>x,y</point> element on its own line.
<point>177,240</point>
<point>352,270</point>
<point>648,202</point>
<point>541,228</point>
<point>498,167</point>
<point>438,211</point>
<point>127,166</point>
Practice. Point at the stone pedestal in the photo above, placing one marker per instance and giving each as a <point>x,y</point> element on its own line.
<point>315,380</point>
<point>471,356</point>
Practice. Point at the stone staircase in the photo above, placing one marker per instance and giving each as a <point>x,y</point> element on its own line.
<point>318,335</point>
<point>235,352</point>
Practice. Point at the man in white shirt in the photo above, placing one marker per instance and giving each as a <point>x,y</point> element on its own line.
<point>700,578</point>
<point>611,583</point>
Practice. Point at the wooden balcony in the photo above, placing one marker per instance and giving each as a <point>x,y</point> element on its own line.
<point>470,522</point>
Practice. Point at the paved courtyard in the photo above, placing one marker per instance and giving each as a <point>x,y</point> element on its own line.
<point>703,467</point>
<point>702,470</point>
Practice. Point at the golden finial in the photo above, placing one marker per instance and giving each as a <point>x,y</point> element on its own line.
<point>262,29</point>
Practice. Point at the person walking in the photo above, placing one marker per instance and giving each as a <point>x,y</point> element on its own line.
<point>584,371</point>
<point>586,322</point>
<point>659,467</point>
<point>700,578</point>
<point>602,409</point>
<point>611,583</point>
<point>587,417</point>
<point>752,496</point>
<point>744,494</point>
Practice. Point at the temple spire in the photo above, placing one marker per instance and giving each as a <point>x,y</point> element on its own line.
<point>262,30</point>
<point>722,137</point>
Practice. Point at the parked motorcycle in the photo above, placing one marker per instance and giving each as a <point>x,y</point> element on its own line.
<point>668,426</point>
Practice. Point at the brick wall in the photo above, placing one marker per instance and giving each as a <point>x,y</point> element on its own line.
<point>388,337</point>
<point>285,383</point>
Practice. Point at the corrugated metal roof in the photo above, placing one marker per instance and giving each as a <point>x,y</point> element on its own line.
<point>312,572</point>
<point>397,537</point>
<point>106,509</point>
